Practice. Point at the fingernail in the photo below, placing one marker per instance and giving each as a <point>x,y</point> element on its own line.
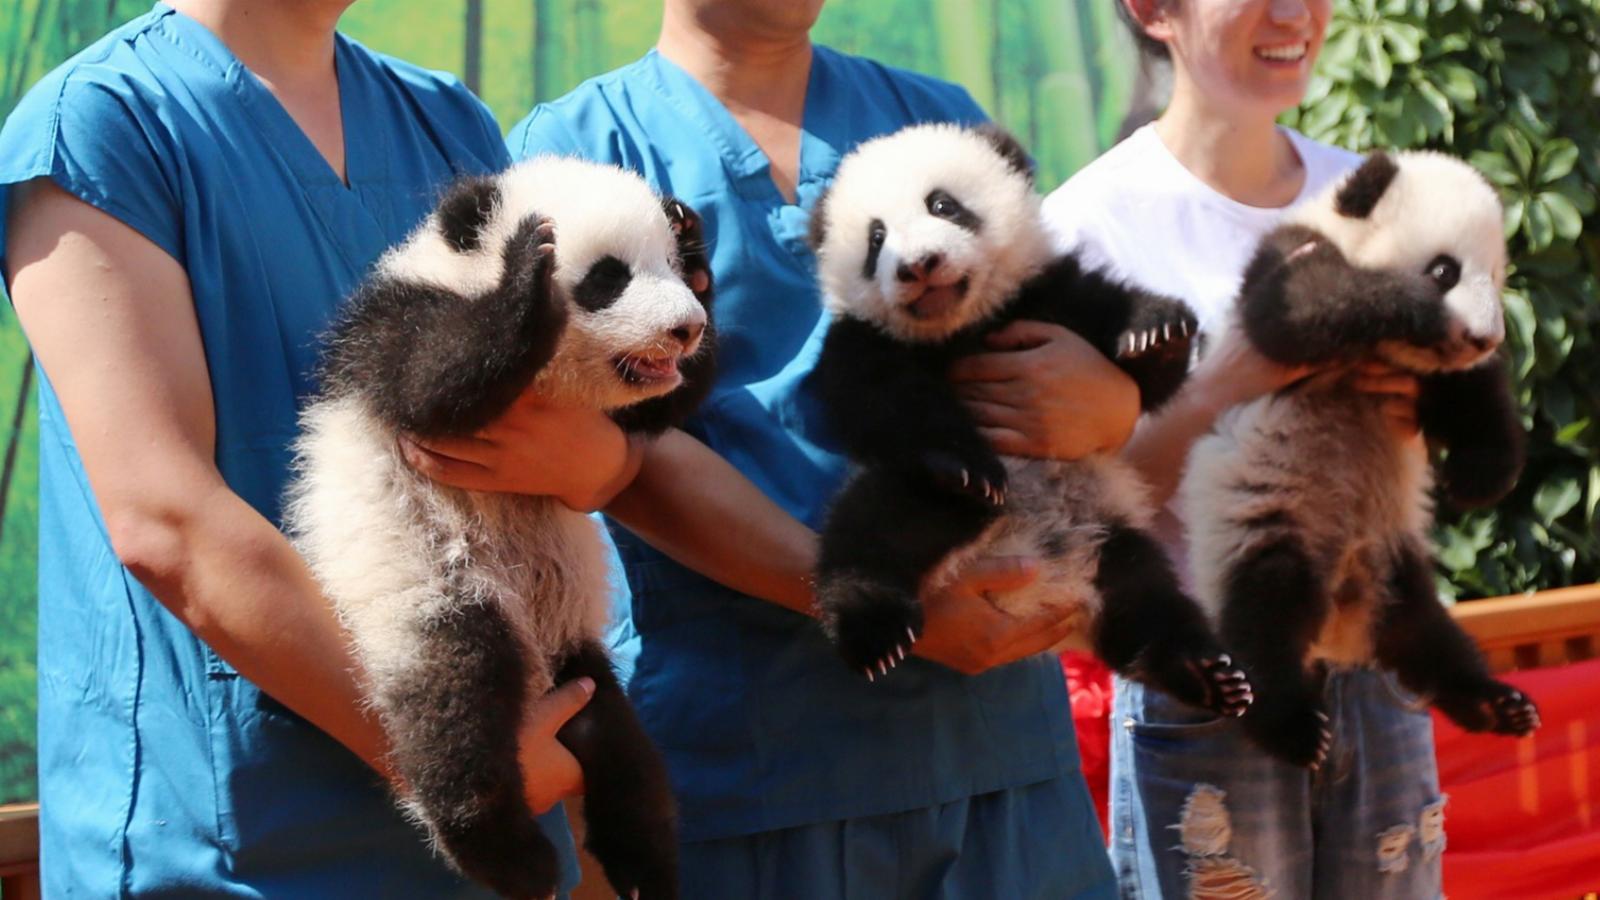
<point>587,685</point>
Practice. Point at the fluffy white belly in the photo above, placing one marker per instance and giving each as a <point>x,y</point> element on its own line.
<point>1320,468</point>
<point>1059,513</point>
<point>391,549</point>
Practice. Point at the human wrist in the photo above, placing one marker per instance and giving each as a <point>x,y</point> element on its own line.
<point>626,454</point>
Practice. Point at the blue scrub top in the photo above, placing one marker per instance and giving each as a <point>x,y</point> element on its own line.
<point>160,768</point>
<point>762,725</point>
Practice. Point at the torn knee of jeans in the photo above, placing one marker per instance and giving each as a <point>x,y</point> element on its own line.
<point>1223,878</point>
<point>1392,846</point>
<point>1430,829</point>
<point>1204,824</point>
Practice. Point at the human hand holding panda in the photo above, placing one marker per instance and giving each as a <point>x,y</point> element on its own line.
<point>1308,514</point>
<point>576,283</point>
<point>929,241</point>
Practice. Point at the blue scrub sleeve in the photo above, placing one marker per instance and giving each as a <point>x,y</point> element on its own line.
<point>89,135</point>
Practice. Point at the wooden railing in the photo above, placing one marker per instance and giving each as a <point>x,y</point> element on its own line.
<point>1544,629</point>
<point>19,852</point>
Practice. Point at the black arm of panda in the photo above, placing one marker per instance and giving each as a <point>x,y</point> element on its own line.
<point>436,362</point>
<point>891,408</point>
<point>1303,303</point>
<point>1474,416</point>
<point>1146,334</point>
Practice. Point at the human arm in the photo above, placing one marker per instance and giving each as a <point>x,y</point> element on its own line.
<point>111,319</point>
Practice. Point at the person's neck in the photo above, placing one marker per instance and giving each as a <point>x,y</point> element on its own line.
<point>1243,155</point>
<point>288,44</point>
<point>761,72</point>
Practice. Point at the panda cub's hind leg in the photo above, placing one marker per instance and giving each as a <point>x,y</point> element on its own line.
<point>885,533</point>
<point>1149,630</point>
<point>453,717</point>
<point>629,816</point>
<point>1273,608</point>
<point>1431,655</point>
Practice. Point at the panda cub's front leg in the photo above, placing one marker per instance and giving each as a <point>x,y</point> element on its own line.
<point>1150,631</point>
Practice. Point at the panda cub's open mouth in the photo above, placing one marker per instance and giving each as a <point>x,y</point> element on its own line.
<point>648,368</point>
<point>937,301</point>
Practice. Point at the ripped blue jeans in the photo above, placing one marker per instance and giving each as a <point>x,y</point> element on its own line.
<point>1198,812</point>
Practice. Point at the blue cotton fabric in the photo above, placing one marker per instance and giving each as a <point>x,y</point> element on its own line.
<point>162,771</point>
<point>763,727</point>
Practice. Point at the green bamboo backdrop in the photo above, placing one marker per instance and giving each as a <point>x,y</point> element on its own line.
<point>1059,73</point>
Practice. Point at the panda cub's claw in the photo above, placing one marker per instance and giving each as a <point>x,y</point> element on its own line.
<point>978,477</point>
<point>1157,325</point>
<point>1515,714</point>
<point>1228,689</point>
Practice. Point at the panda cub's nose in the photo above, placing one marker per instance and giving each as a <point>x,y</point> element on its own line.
<point>688,334</point>
<point>919,270</point>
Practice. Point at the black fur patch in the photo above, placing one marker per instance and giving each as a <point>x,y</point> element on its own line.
<point>434,362</point>
<point>1303,302</point>
<point>817,224</point>
<point>627,804</point>
<point>602,284</point>
<point>1008,147</point>
<point>1362,190</point>
<point>1474,416</point>
<point>942,205</point>
<point>453,719</point>
<point>875,238</point>
<point>466,209</point>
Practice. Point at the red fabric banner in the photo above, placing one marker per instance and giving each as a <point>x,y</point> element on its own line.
<point>1523,822</point>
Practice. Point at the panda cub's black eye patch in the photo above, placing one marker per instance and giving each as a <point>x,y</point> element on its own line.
<point>946,207</point>
<point>602,284</point>
<point>876,235</point>
<point>1445,272</point>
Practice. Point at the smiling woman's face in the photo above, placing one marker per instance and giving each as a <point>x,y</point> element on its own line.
<point>1256,53</point>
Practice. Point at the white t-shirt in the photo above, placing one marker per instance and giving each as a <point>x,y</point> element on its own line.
<point>1137,213</point>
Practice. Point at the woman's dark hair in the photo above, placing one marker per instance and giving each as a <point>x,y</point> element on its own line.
<point>1148,45</point>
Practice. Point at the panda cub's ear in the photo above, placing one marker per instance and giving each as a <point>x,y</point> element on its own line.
<point>1359,194</point>
<point>689,231</point>
<point>1009,148</point>
<point>467,207</point>
<point>817,225</point>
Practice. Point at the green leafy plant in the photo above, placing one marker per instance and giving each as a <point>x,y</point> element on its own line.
<point>1510,85</point>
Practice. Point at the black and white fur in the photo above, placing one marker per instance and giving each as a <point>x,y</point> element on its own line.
<point>465,606</point>
<point>1308,519</point>
<point>928,241</point>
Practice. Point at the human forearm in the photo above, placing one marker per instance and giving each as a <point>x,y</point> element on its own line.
<point>698,509</point>
<point>234,579</point>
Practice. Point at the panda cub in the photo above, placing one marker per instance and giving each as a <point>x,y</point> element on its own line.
<point>929,240</point>
<point>1308,519</point>
<point>464,606</point>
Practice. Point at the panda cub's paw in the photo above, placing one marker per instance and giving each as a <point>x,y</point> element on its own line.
<point>1227,688</point>
<point>1495,707</point>
<point>980,475</point>
<point>873,625</point>
<point>1158,325</point>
